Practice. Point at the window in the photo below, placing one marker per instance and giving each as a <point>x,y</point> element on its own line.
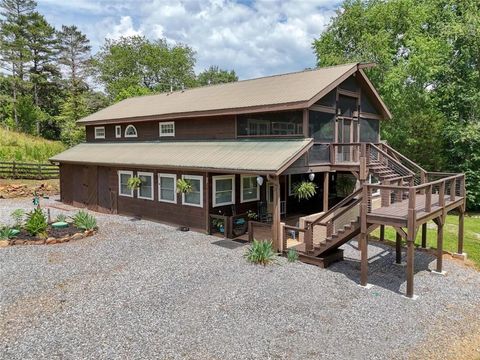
<point>167,129</point>
<point>130,131</point>
<point>223,190</point>
<point>250,191</point>
<point>167,188</point>
<point>280,123</point>
<point>369,130</point>
<point>100,132</point>
<point>118,131</point>
<point>195,197</point>
<point>322,126</point>
<point>123,189</point>
<point>145,191</point>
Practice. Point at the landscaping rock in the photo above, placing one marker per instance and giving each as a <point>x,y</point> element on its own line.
<point>77,236</point>
<point>4,243</point>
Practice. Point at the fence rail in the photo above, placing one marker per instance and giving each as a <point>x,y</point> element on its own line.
<point>20,170</point>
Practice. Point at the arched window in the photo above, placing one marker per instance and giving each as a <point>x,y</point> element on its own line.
<point>130,131</point>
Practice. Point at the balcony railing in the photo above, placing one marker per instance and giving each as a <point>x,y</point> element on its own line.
<point>334,153</point>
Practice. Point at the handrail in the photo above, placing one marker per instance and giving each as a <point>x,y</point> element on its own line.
<point>412,163</point>
<point>392,158</point>
<point>341,212</point>
<point>336,207</point>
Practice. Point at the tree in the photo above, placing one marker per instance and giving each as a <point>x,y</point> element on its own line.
<point>141,65</point>
<point>215,75</point>
<point>428,56</point>
<point>14,51</point>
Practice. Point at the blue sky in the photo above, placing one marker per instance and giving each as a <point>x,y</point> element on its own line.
<point>255,38</point>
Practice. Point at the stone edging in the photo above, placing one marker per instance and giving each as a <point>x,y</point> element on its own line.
<point>48,241</point>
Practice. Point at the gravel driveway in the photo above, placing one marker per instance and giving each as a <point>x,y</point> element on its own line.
<point>141,289</point>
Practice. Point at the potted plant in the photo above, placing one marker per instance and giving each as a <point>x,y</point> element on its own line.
<point>134,183</point>
<point>184,187</point>
<point>219,224</point>
<point>304,190</point>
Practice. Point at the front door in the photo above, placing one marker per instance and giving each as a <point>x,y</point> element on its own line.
<point>346,134</point>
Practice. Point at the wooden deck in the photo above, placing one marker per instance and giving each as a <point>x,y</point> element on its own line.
<point>397,213</point>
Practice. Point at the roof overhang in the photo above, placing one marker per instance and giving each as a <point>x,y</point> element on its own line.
<point>265,157</point>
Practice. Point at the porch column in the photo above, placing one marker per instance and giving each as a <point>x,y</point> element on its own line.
<point>277,243</point>
<point>424,235</point>
<point>382,232</point>
<point>439,245</point>
<point>398,249</point>
<point>410,266</point>
<point>326,178</point>
<point>363,243</point>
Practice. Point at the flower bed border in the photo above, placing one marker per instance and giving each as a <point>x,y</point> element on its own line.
<point>48,241</point>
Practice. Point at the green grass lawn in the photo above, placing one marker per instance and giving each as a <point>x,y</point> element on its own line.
<point>471,242</point>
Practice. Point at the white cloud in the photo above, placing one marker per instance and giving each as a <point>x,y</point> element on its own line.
<point>262,38</point>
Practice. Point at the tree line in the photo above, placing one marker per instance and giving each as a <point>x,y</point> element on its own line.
<point>428,72</point>
<point>50,77</point>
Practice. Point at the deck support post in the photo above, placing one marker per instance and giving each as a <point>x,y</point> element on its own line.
<point>461,220</point>
<point>382,232</point>
<point>364,259</point>
<point>410,266</point>
<point>398,249</point>
<point>424,235</point>
<point>439,246</point>
<point>326,177</point>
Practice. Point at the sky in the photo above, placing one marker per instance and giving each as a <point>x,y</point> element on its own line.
<point>254,38</point>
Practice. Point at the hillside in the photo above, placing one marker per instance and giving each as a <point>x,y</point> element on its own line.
<point>16,146</point>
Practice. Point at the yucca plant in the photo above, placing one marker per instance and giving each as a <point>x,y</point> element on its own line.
<point>304,190</point>
<point>84,220</point>
<point>292,255</point>
<point>6,233</point>
<point>261,252</point>
<point>61,218</point>
<point>36,222</point>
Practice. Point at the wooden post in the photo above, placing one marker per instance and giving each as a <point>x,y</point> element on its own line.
<point>411,226</point>
<point>424,235</point>
<point>460,231</point>
<point>283,236</point>
<point>14,170</point>
<point>207,205</point>
<point>363,243</point>
<point>398,249</point>
<point>382,232</point>
<point>277,244</point>
<point>439,245</point>
<point>410,267</point>
<point>326,178</point>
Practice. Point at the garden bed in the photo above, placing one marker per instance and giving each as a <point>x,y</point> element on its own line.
<point>55,236</point>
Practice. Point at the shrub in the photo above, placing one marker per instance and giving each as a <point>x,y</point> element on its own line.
<point>6,233</point>
<point>292,255</point>
<point>36,222</point>
<point>61,218</point>
<point>18,216</point>
<point>304,190</point>
<point>261,252</point>
<point>84,221</point>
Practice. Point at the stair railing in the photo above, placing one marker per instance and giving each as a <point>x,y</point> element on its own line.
<point>377,154</point>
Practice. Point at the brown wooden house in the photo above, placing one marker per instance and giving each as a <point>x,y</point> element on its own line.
<point>243,146</point>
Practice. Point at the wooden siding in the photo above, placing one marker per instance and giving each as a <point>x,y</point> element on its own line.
<point>218,127</point>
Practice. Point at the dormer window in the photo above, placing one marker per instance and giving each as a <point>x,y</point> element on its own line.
<point>130,132</point>
<point>100,132</point>
<point>118,131</point>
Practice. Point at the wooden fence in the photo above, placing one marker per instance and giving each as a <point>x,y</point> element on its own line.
<point>18,170</point>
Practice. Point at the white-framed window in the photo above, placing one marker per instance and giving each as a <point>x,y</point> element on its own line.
<point>250,191</point>
<point>195,197</point>
<point>145,191</point>
<point>123,177</point>
<point>130,131</point>
<point>167,188</point>
<point>118,131</point>
<point>167,128</point>
<point>99,132</point>
<point>223,190</point>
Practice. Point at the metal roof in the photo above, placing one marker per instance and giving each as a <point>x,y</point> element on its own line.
<point>293,89</point>
<point>250,156</point>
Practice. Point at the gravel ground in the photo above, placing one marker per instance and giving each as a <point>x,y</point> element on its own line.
<point>140,289</point>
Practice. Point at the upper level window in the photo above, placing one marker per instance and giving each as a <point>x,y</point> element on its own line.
<point>223,190</point>
<point>250,191</point>
<point>194,197</point>
<point>167,128</point>
<point>369,130</point>
<point>99,132</point>
<point>130,131</point>
<point>118,131</point>
<point>270,124</point>
<point>123,177</point>
<point>322,126</point>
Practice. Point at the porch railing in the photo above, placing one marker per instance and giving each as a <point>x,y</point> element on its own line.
<point>259,231</point>
<point>334,153</point>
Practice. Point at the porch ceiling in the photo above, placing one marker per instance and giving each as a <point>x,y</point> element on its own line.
<point>249,156</point>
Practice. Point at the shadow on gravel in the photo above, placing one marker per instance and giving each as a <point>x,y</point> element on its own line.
<point>382,270</point>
